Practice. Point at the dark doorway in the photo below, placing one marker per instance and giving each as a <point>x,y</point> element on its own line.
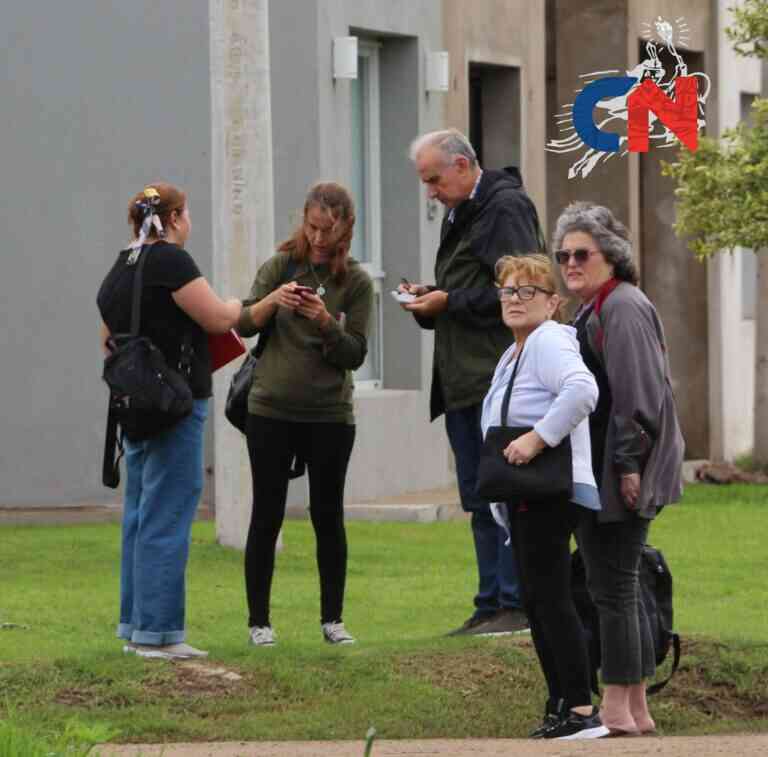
<point>494,114</point>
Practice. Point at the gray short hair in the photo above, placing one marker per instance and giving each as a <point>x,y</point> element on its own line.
<point>610,234</point>
<point>450,142</point>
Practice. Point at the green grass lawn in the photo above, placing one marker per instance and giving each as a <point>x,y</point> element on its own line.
<point>408,584</point>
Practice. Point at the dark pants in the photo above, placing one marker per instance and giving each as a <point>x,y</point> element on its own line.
<point>612,553</point>
<point>326,448</point>
<point>542,536</point>
<point>498,580</point>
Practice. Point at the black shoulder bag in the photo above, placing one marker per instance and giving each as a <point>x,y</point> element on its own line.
<point>547,476</point>
<point>236,409</point>
<point>146,396</point>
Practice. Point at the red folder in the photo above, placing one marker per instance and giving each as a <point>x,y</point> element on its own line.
<point>224,348</point>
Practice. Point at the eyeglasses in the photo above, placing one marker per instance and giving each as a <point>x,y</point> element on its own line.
<point>524,293</point>
<point>580,256</point>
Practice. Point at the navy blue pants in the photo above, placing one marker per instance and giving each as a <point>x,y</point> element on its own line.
<point>499,585</point>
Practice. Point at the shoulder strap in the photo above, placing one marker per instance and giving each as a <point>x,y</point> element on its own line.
<point>508,392</point>
<point>659,685</point>
<point>185,352</point>
<point>138,280</point>
<point>288,272</point>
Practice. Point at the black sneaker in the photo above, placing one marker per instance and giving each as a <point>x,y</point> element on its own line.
<point>554,712</point>
<point>470,626</point>
<point>574,726</point>
<point>506,621</point>
<point>550,722</point>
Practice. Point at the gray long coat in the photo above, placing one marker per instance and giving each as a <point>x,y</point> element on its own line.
<point>628,339</point>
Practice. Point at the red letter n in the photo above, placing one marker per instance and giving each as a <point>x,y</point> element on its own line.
<point>678,115</point>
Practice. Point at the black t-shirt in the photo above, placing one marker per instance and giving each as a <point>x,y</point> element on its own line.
<point>168,268</point>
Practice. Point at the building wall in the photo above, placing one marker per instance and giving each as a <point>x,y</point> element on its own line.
<point>503,33</point>
<point>396,448</point>
<point>732,337</point>
<point>97,103</point>
<point>606,35</point>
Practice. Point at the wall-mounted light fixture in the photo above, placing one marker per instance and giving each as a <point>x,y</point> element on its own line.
<point>345,58</point>
<point>437,71</point>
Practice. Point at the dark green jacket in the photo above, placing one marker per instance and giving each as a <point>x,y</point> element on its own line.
<point>470,336</point>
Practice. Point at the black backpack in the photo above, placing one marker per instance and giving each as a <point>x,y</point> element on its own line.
<point>146,395</point>
<point>656,596</point>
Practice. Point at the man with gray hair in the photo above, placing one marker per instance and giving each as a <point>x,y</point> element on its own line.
<point>488,215</point>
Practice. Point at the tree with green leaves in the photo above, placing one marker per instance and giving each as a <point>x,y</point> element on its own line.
<point>722,198</point>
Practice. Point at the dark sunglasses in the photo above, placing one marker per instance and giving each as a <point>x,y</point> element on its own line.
<point>524,293</point>
<point>580,256</point>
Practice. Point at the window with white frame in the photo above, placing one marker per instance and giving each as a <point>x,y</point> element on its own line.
<point>366,192</point>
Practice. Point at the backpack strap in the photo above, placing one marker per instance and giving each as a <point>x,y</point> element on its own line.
<point>659,685</point>
<point>110,466</point>
<point>185,351</point>
<point>138,280</point>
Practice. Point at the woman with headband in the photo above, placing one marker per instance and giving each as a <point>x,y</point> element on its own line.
<point>164,474</point>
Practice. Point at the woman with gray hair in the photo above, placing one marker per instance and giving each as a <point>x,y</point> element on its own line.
<point>637,447</point>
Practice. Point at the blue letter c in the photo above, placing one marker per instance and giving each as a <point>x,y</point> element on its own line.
<point>611,86</point>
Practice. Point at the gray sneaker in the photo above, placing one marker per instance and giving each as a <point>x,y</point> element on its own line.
<point>262,636</point>
<point>165,652</point>
<point>335,633</point>
<point>504,623</point>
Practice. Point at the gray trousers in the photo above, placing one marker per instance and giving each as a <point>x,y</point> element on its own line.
<point>612,553</point>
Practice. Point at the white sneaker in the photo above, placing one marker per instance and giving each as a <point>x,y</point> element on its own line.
<point>263,636</point>
<point>165,652</point>
<point>335,633</point>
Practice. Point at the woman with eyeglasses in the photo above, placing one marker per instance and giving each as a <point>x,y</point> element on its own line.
<point>637,447</point>
<point>553,392</point>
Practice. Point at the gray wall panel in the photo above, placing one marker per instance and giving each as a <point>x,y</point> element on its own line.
<point>98,97</point>
<point>295,127</point>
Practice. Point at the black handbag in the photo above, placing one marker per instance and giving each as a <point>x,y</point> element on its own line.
<point>236,408</point>
<point>146,396</point>
<point>547,476</point>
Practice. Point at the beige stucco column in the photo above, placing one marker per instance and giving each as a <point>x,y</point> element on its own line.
<point>243,215</point>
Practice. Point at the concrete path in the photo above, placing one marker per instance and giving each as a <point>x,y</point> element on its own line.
<point>699,746</point>
<point>416,507</point>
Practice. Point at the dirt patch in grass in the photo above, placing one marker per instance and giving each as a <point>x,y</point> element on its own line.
<point>471,672</point>
<point>708,684</point>
<point>182,680</point>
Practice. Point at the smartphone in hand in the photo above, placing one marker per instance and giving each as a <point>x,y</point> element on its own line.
<point>402,296</point>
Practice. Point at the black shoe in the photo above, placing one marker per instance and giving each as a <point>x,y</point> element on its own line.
<point>506,621</point>
<point>574,726</point>
<point>550,722</point>
<point>554,712</point>
<point>470,625</point>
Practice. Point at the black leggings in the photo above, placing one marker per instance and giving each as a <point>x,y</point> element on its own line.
<point>542,548</point>
<point>326,448</point>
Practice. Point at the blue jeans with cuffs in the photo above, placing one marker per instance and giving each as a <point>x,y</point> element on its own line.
<point>164,481</point>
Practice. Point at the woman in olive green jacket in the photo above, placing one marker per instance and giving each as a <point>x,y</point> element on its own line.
<point>318,303</point>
